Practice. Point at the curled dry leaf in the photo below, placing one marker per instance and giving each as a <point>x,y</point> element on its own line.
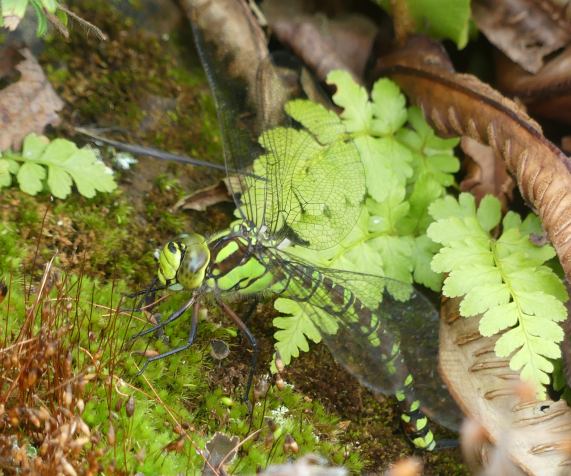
<point>231,29</point>
<point>525,30</point>
<point>485,173</point>
<point>547,93</point>
<point>473,441</point>
<point>322,43</point>
<point>27,105</point>
<point>460,104</point>
<point>204,198</point>
<point>528,433</point>
<point>566,344</point>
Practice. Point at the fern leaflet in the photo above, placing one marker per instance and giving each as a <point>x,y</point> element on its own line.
<point>504,279</point>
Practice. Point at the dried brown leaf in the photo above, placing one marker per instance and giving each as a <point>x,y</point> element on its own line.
<point>566,344</point>
<point>486,173</point>
<point>459,104</point>
<point>221,450</point>
<point>473,441</point>
<point>28,105</point>
<point>231,28</point>
<point>546,93</point>
<point>204,198</point>
<point>322,43</point>
<point>525,30</point>
<point>528,434</point>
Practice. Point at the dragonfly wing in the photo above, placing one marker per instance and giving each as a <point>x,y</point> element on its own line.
<point>418,326</point>
<point>379,329</point>
<point>314,191</point>
<point>231,68</point>
<point>308,183</point>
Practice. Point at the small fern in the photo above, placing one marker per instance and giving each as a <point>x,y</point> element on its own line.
<point>295,330</point>
<point>504,279</point>
<point>65,164</point>
<point>407,167</point>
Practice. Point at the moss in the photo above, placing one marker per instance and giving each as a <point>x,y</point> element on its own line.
<point>180,387</point>
<point>119,81</point>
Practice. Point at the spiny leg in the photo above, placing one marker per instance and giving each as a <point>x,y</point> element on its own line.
<point>255,350</point>
<point>248,314</point>
<point>191,334</point>
<point>152,288</point>
<point>173,317</point>
<point>148,296</point>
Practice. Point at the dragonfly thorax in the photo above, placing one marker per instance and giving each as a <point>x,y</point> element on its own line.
<point>183,262</point>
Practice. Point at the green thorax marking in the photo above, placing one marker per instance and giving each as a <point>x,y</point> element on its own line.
<point>235,267</point>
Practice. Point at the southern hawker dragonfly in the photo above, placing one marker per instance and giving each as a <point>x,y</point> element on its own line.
<point>304,187</point>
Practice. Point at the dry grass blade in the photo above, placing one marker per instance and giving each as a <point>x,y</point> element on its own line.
<point>42,395</point>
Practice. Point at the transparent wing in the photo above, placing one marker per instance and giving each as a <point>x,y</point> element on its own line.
<point>311,182</point>
<point>369,323</point>
<point>314,189</point>
<point>237,111</point>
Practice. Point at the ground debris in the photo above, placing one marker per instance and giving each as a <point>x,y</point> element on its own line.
<point>28,104</point>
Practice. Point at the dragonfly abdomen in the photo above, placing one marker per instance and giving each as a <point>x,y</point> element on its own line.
<point>346,316</point>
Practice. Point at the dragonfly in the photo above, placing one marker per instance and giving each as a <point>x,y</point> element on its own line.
<point>292,188</point>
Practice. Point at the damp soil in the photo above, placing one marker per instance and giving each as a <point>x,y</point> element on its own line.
<point>145,86</point>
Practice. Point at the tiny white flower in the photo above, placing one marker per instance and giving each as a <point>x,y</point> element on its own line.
<point>279,414</point>
<point>124,160</point>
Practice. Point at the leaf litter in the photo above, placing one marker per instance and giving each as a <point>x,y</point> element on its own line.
<point>27,105</point>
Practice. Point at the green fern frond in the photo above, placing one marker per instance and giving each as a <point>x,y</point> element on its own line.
<point>295,330</point>
<point>504,279</point>
<point>62,162</point>
<point>407,167</point>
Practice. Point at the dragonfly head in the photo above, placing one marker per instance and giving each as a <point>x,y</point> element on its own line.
<point>183,262</point>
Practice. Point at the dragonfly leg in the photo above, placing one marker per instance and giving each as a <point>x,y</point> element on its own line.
<point>145,291</point>
<point>191,335</point>
<point>255,350</point>
<point>248,314</point>
<point>148,296</point>
<point>173,317</point>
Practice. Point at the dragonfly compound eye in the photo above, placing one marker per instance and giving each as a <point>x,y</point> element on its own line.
<point>169,262</point>
<point>196,257</point>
